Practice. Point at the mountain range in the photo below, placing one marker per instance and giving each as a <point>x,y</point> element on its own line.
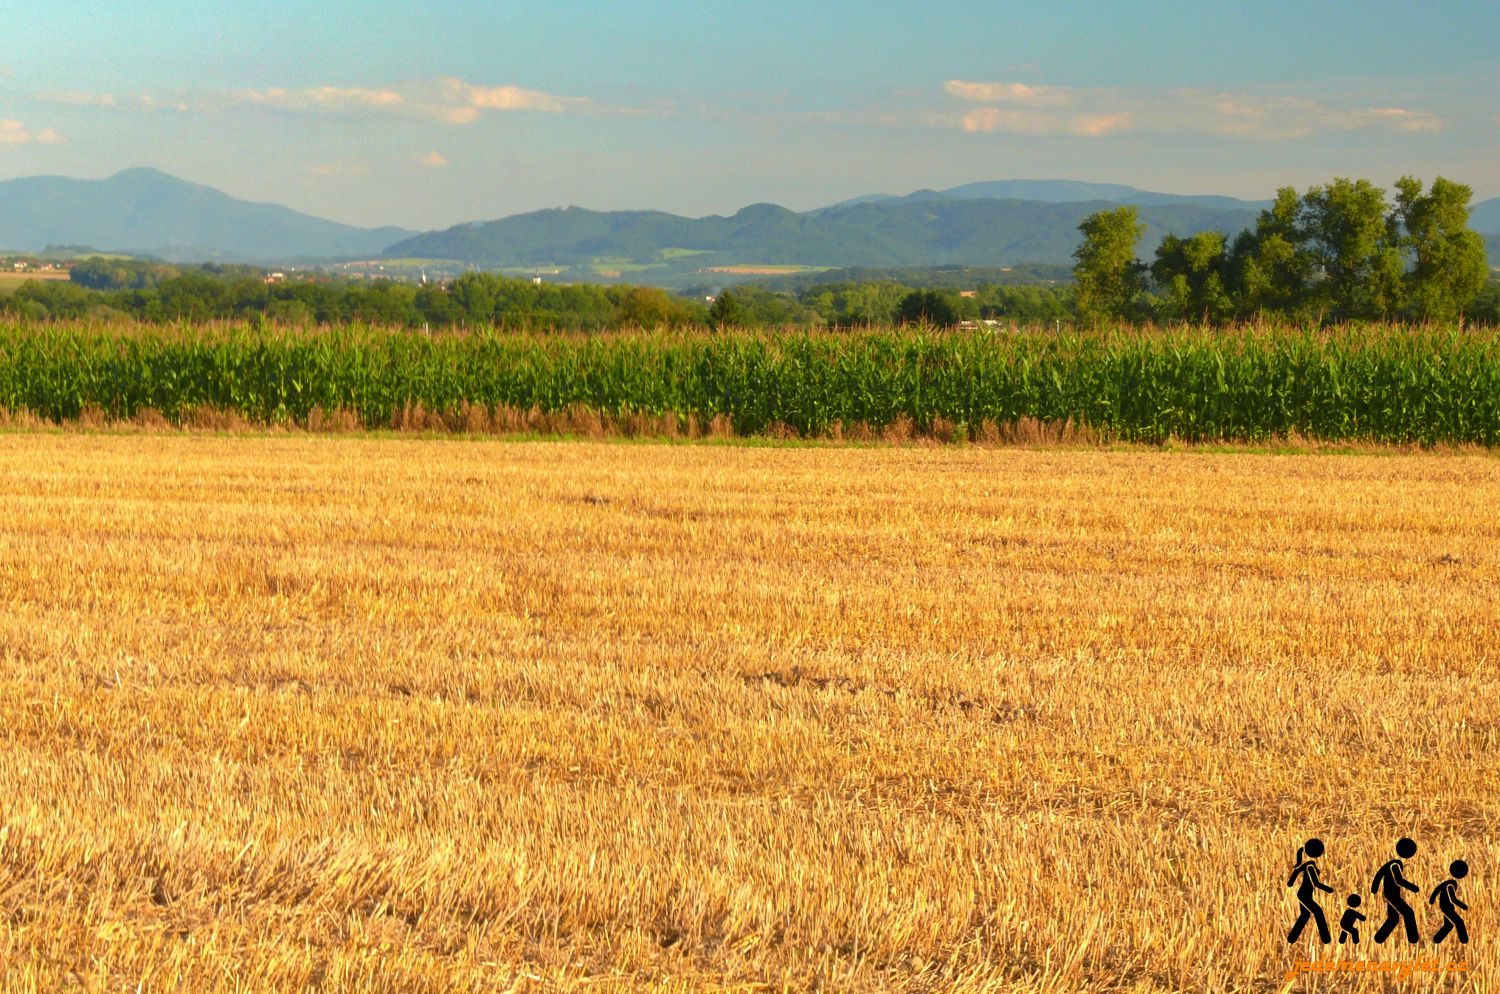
<point>147,212</point>
<point>996,223</point>
<point>917,230</point>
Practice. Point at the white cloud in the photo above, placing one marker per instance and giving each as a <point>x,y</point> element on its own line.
<point>15,133</point>
<point>458,102</point>
<point>78,98</point>
<point>112,101</point>
<point>319,98</point>
<point>445,99</point>
<point>1017,93</point>
<point>1093,125</point>
<point>433,160</point>
<point>1027,122</point>
<point>1019,108</point>
<point>149,102</point>
<point>1398,118</point>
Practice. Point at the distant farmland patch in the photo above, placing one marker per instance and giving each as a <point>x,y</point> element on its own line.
<point>10,282</point>
<point>758,270</point>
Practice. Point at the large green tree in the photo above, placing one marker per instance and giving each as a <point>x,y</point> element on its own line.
<point>1191,274</point>
<point>1448,264</point>
<point>1107,276</point>
<point>727,311</point>
<point>852,305</point>
<point>649,307</point>
<point>1271,266</point>
<point>473,296</point>
<point>1357,248</point>
<point>927,307</point>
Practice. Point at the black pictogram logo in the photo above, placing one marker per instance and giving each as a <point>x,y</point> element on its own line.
<point>1349,924</point>
<point>1391,884</point>
<point>1446,896</point>
<point>1306,871</point>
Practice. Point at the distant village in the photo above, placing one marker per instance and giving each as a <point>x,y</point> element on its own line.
<point>43,268</point>
<point>55,265</point>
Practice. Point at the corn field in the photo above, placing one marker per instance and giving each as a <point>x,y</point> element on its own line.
<point>1380,383</point>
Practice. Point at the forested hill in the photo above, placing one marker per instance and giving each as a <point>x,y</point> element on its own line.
<point>901,232</point>
<point>146,211</point>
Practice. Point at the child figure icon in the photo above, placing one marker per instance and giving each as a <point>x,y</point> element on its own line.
<point>1446,896</point>
<point>1349,923</point>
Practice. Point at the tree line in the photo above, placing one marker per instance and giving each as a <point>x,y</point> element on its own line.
<point>1338,252</point>
<point>154,292</point>
<point>151,295</point>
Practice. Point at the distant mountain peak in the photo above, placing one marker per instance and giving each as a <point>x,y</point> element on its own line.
<point>144,210</point>
<point>760,211</point>
<point>145,172</point>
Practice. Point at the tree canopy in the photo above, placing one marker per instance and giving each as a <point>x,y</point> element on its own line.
<point>927,307</point>
<point>1448,268</point>
<point>1108,276</point>
<point>1340,251</point>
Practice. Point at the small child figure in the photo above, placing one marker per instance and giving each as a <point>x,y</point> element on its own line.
<point>1349,923</point>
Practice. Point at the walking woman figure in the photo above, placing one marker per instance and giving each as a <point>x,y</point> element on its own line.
<point>1306,897</point>
<point>1389,883</point>
<point>1446,896</point>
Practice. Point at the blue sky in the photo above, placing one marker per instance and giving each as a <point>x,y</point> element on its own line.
<point>429,114</point>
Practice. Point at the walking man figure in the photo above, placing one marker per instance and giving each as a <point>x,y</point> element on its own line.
<point>1446,896</point>
<point>1389,883</point>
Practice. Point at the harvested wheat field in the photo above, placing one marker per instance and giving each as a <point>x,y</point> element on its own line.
<point>352,714</point>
